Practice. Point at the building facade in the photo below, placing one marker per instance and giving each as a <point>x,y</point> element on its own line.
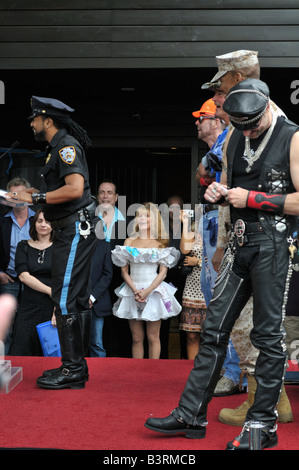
<point>133,70</point>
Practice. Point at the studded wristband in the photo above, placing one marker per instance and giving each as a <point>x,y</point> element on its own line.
<point>38,198</point>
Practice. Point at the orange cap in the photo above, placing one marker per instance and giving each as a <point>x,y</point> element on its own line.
<point>207,109</point>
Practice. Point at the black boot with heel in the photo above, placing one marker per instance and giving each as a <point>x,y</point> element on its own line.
<point>73,371</point>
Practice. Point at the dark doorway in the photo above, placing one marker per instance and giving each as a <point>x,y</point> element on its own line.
<point>143,174</point>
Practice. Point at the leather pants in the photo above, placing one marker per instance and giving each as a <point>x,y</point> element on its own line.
<point>252,272</point>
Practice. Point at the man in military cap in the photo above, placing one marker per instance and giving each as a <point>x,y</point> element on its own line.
<point>67,203</point>
<point>232,68</point>
<point>263,193</point>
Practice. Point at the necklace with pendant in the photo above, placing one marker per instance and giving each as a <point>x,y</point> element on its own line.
<point>252,156</point>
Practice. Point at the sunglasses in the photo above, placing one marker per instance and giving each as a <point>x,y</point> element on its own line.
<point>255,126</point>
<point>252,127</point>
<point>41,256</point>
<point>201,118</point>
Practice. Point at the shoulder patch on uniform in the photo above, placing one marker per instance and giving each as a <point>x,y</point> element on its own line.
<point>68,154</point>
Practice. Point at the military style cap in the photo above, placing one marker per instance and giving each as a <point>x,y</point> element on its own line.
<point>49,107</point>
<point>246,103</point>
<point>231,61</point>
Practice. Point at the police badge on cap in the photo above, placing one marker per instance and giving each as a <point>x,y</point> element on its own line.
<point>49,107</point>
<point>246,103</point>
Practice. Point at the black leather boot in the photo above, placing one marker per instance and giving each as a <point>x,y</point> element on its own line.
<point>85,318</point>
<point>85,321</point>
<point>72,372</point>
<point>175,425</point>
<point>242,442</point>
<point>229,299</point>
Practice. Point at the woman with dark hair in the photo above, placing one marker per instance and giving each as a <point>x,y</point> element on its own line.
<point>33,266</point>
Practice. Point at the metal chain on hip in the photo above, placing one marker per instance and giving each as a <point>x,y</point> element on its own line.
<point>225,266</point>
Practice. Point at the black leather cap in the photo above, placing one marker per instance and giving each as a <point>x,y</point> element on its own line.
<point>246,103</point>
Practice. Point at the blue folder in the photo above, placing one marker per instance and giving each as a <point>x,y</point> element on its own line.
<point>49,340</point>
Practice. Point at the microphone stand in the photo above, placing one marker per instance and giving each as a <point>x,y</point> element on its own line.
<point>15,144</point>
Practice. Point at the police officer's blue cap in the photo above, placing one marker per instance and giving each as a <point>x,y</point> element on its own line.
<point>246,103</point>
<point>49,107</point>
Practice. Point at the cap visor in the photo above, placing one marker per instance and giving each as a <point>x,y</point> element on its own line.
<point>215,82</point>
<point>245,127</point>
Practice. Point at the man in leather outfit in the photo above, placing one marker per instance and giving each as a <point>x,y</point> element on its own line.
<point>67,203</point>
<point>263,193</point>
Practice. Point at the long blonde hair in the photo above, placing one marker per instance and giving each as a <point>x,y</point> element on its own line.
<point>157,229</point>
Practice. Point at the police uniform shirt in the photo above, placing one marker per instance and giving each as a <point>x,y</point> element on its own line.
<point>65,157</point>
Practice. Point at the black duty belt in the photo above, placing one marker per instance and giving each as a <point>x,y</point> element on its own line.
<point>247,232</point>
<point>83,215</point>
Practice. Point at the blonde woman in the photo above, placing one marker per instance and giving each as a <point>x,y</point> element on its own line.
<point>145,297</point>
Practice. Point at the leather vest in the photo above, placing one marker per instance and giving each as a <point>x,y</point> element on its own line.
<point>274,177</point>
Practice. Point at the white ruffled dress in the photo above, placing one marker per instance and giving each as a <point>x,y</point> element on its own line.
<point>144,262</point>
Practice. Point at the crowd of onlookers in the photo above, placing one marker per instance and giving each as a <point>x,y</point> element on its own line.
<point>25,272</point>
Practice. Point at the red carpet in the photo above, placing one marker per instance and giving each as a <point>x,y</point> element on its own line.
<point>109,414</point>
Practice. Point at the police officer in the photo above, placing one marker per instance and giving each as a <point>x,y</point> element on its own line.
<point>68,205</point>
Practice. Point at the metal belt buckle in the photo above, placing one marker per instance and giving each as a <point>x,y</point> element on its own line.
<point>240,229</point>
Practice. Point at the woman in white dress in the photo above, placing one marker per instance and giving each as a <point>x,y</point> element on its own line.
<point>144,296</point>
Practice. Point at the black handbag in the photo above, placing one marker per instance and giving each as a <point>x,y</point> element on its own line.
<point>184,269</point>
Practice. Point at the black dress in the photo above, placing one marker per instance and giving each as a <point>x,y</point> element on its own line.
<point>34,307</point>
